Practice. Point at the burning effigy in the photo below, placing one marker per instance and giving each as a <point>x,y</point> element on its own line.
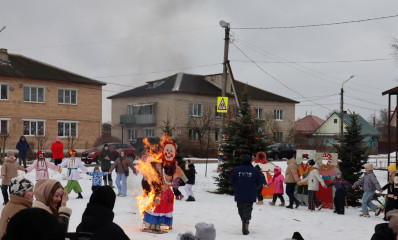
<point>159,168</point>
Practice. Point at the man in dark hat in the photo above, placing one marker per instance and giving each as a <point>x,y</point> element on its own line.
<point>245,179</point>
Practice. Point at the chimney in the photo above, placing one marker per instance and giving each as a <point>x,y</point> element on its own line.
<point>3,55</point>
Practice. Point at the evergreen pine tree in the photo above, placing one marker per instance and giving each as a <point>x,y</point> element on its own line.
<point>243,136</point>
<point>353,157</point>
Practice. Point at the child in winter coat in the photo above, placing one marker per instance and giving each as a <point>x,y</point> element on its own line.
<point>313,179</point>
<point>42,165</point>
<point>392,191</point>
<point>278,181</point>
<point>339,196</point>
<point>176,185</point>
<point>370,185</point>
<point>9,170</point>
<point>260,197</point>
<point>190,172</point>
<point>97,178</point>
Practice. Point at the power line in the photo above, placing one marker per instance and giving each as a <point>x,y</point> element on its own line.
<point>276,78</point>
<point>316,25</point>
<point>322,62</point>
<point>362,107</point>
<point>353,97</point>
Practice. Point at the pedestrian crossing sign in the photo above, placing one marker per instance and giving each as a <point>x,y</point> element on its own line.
<point>222,104</point>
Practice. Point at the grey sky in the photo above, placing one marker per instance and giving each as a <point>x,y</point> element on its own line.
<point>130,42</point>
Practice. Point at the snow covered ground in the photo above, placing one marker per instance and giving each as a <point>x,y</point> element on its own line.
<point>268,222</point>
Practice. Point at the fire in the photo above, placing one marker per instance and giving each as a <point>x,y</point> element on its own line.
<point>151,160</point>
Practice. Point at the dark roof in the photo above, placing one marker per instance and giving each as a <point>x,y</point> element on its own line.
<point>21,66</point>
<point>259,94</point>
<point>195,84</point>
<point>392,91</point>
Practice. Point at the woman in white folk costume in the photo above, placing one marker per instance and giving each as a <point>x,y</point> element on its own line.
<point>72,165</point>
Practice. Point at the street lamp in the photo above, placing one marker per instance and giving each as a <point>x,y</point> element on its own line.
<point>341,108</point>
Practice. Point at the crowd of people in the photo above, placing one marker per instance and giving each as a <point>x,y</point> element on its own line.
<point>248,181</point>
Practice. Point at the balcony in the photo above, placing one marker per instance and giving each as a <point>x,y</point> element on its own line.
<point>136,119</point>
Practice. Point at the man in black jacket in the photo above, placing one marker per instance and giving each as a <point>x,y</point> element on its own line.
<point>190,172</point>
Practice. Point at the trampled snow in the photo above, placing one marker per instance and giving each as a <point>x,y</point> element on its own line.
<point>268,222</point>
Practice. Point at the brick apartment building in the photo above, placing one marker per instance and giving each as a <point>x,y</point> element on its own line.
<point>42,101</point>
<point>188,101</point>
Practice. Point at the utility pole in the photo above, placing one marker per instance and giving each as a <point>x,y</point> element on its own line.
<point>226,26</point>
<point>341,109</point>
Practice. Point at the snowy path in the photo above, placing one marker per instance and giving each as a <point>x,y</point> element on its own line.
<point>268,222</point>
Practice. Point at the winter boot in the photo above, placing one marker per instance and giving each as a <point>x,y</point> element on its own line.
<point>79,196</point>
<point>297,203</point>
<point>110,182</point>
<point>260,203</point>
<point>245,227</point>
<point>105,182</point>
<point>272,203</point>
<point>282,204</point>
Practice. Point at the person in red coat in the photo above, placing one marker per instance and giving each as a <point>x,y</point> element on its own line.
<point>57,148</point>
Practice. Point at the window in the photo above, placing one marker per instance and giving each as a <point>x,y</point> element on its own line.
<point>67,129</point>
<point>33,94</point>
<point>131,134</point>
<point>278,136</point>
<point>335,120</point>
<point>4,126</point>
<point>259,113</point>
<point>217,135</point>
<point>3,91</point>
<point>149,132</point>
<point>33,127</point>
<point>195,110</point>
<point>194,134</point>
<point>218,114</point>
<point>140,109</point>
<point>278,115</point>
<point>67,96</point>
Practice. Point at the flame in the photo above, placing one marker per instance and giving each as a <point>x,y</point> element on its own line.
<point>152,158</point>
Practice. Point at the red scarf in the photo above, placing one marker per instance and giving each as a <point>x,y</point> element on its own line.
<point>275,175</point>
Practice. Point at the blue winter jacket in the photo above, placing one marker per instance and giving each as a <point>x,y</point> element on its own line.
<point>22,147</point>
<point>245,179</point>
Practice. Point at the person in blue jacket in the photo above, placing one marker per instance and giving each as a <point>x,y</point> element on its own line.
<point>245,179</point>
<point>339,184</point>
<point>22,147</point>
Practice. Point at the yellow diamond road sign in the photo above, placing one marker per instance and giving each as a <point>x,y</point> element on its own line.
<point>222,104</point>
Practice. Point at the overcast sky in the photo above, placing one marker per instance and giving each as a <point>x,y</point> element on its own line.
<point>127,42</point>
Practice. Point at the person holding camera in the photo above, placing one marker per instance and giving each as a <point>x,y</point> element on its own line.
<point>122,164</point>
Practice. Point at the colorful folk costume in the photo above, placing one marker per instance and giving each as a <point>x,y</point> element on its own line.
<point>42,165</point>
<point>163,212</point>
<point>73,164</point>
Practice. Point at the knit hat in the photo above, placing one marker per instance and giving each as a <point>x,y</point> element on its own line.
<point>20,185</point>
<point>96,168</point>
<point>34,223</point>
<point>104,196</point>
<point>43,188</point>
<point>106,145</point>
<point>10,153</point>
<point>337,172</point>
<point>392,216</point>
<point>247,158</point>
<point>205,231</point>
<point>58,138</point>
<point>369,166</point>
<point>72,151</point>
<point>392,167</point>
<point>39,152</point>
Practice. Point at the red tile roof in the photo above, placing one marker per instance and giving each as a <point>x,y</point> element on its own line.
<point>308,124</point>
